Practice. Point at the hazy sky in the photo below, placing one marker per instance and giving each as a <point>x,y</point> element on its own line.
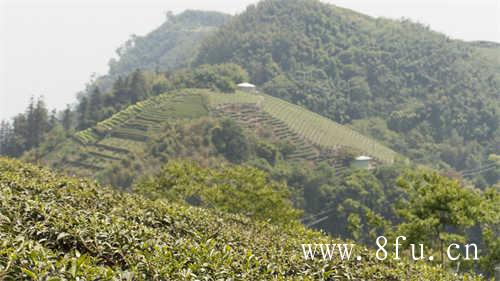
<point>51,47</point>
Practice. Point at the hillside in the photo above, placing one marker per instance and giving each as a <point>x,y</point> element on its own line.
<point>127,135</point>
<point>69,228</point>
<point>171,46</point>
<point>295,123</point>
<point>173,172</point>
<point>124,136</point>
<point>431,98</point>
<point>491,51</point>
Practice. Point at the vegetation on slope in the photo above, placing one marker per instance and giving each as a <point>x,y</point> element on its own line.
<point>491,51</point>
<point>438,96</point>
<point>138,141</point>
<point>125,135</point>
<point>232,189</point>
<point>69,228</point>
<point>169,47</point>
<point>139,72</point>
<point>432,99</point>
<point>315,128</point>
<point>429,97</point>
<point>355,204</point>
<point>422,205</point>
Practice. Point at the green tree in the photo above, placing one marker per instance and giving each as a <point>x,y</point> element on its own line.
<point>121,92</point>
<point>437,209</point>
<point>489,220</point>
<point>83,112</point>
<point>20,135</point>
<point>233,189</point>
<point>6,139</point>
<point>67,118</point>
<point>139,89</point>
<point>39,123</point>
<point>220,77</point>
<point>230,140</point>
<point>95,105</point>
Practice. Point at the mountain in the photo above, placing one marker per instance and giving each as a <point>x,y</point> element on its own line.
<point>70,228</point>
<point>171,46</point>
<point>431,98</point>
<point>491,51</point>
<point>130,135</point>
<point>170,124</point>
<point>307,157</point>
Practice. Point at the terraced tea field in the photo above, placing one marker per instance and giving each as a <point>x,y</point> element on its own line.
<point>132,122</point>
<point>252,117</point>
<point>311,127</point>
<point>125,133</point>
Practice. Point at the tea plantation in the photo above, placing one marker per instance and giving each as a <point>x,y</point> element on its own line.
<point>310,126</point>
<point>126,133</point>
<point>61,228</point>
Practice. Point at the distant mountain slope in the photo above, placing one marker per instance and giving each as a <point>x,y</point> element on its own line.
<point>128,132</point>
<point>314,128</point>
<point>171,46</point>
<point>491,51</point>
<point>55,227</point>
<point>428,96</point>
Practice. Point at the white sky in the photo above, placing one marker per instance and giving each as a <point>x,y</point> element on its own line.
<point>51,47</point>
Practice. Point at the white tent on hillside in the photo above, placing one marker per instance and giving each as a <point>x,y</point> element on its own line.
<point>362,162</point>
<point>247,87</point>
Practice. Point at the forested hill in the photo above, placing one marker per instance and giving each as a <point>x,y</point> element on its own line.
<point>491,52</point>
<point>170,46</point>
<point>430,97</point>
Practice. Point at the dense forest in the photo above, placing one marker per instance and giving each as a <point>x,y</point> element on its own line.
<point>149,128</point>
<point>29,129</point>
<point>429,97</point>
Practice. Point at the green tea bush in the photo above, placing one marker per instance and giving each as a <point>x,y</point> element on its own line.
<point>63,228</point>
